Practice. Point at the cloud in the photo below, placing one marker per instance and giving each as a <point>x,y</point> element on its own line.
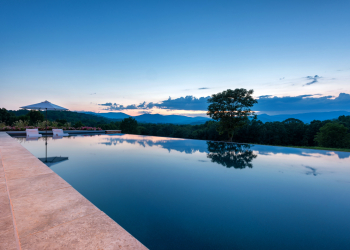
<point>145,112</point>
<point>304,103</point>
<point>266,103</point>
<point>106,104</point>
<point>182,103</point>
<point>93,94</point>
<point>116,106</point>
<point>313,79</point>
<point>202,88</point>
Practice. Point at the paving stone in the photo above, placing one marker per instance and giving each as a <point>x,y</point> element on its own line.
<point>5,208</point>
<point>3,189</point>
<point>35,184</point>
<point>25,172</point>
<point>8,240</point>
<point>45,210</point>
<point>6,224</point>
<point>95,231</point>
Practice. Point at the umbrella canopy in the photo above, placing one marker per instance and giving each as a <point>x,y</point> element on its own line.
<point>45,106</point>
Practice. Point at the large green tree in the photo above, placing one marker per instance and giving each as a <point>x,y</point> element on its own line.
<point>231,108</point>
<point>333,135</point>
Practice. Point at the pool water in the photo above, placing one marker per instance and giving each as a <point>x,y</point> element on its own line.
<point>189,194</point>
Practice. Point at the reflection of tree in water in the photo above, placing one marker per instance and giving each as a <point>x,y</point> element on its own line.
<point>231,154</point>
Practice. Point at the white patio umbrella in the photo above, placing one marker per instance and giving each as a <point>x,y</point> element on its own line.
<point>44,106</point>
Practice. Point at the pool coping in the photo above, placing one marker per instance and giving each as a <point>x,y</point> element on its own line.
<point>40,210</point>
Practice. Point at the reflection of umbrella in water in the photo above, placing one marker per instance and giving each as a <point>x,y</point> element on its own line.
<point>49,161</point>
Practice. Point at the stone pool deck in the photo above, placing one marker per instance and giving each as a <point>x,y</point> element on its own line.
<point>39,210</point>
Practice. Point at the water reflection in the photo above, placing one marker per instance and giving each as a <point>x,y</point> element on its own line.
<point>47,160</point>
<point>193,146</point>
<point>180,145</point>
<point>230,154</point>
<point>273,150</point>
<point>311,171</point>
<point>50,161</point>
<point>227,154</point>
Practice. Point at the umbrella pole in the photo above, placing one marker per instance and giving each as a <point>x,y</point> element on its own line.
<point>46,148</point>
<point>46,122</point>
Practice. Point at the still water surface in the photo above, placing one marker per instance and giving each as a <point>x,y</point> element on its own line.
<point>189,194</point>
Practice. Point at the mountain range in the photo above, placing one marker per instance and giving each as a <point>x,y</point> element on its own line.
<point>155,118</point>
<point>305,117</point>
<point>180,119</point>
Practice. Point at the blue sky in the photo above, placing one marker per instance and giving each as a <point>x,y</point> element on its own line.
<point>80,54</point>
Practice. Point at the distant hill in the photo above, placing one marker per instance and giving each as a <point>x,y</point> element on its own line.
<point>176,119</point>
<point>110,115</point>
<point>154,118</point>
<point>181,119</point>
<point>305,117</point>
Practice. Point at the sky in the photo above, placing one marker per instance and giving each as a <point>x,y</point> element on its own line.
<point>168,57</point>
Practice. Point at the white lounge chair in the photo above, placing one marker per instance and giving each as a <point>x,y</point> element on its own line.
<point>58,132</point>
<point>33,133</point>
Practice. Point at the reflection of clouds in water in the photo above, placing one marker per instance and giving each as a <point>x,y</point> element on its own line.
<point>272,150</point>
<point>193,146</point>
<point>226,154</point>
<point>312,171</point>
<point>186,146</point>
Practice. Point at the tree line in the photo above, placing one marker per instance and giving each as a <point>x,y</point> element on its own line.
<point>291,132</point>
<point>9,117</point>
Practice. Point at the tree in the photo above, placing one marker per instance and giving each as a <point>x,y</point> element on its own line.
<point>295,130</point>
<point>6,117</point>
<point>129,126</point>
<point>34,117</point>
<point>333,135</point>
<point>312,129</point>
<point>78,124</point>
<point>231,108</point>
<point>61,122</point>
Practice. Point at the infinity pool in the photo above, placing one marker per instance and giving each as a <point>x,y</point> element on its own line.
<point>189,194</point>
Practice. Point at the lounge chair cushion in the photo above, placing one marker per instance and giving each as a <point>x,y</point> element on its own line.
<point>33,133</point>
<point>58,132</point>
